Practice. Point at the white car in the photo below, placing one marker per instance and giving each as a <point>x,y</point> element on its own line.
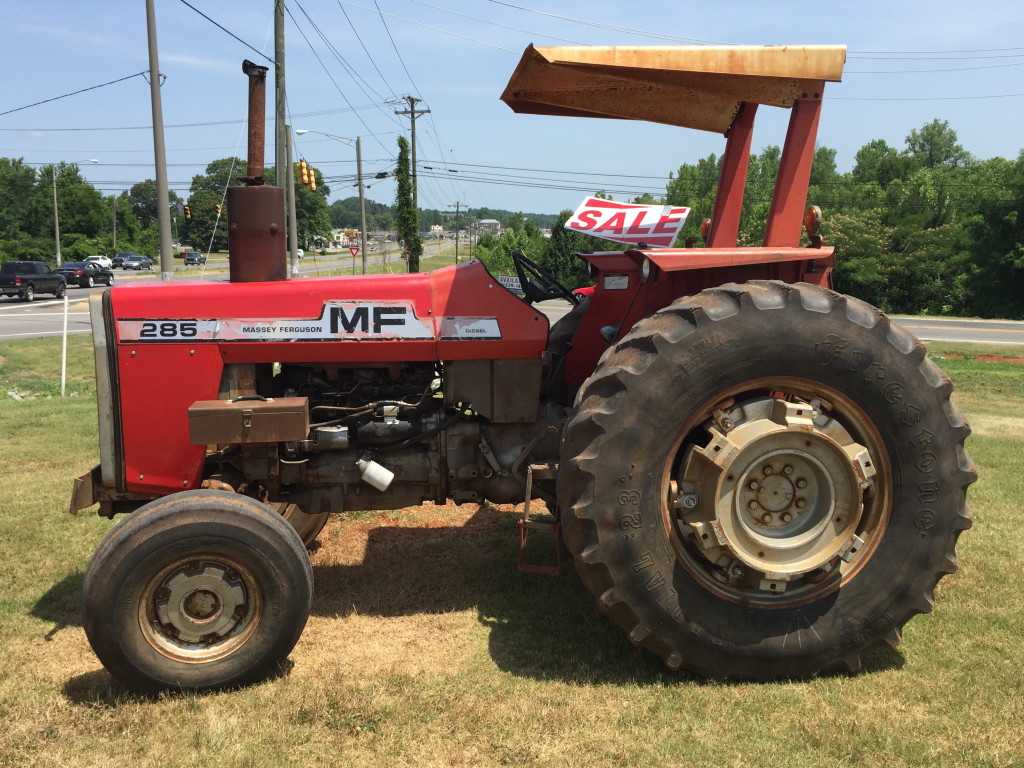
<point>100,261</point>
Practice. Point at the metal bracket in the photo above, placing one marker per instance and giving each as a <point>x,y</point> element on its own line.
<point>526,525</point>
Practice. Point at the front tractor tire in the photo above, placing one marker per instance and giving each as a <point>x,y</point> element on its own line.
<point>200,590</point>
<point>765,481</point>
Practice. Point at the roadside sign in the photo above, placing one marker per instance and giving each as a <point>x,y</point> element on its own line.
<point>354,250</point>
<point>654,225</point>
<point>511,282</point>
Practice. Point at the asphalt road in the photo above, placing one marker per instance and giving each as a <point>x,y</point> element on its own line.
<point>45,317</point>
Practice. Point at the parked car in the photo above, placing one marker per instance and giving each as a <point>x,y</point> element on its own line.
<point>101,261</point>
<point>118,260</point>
<point>194,257</point>
<point>584,292</point>
<point>25,279</point>
<point>135,261</point>
<point>85,274</point>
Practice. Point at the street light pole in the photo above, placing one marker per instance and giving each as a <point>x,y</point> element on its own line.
<point>293,235</point>
<point>56,216</point>
<point>359,176</point>
<point>362,201</point>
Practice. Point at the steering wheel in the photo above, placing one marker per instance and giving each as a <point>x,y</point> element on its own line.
<point>538,284</point>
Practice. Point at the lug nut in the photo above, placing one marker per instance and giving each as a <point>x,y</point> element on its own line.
<point>753,485</point>
<point>787,470</point>
<point>786,517</point>
<point>752,505</point>
<point>801,503</point>
<point>766,518</point>
<point>801,483</point>
<point>767,469</point>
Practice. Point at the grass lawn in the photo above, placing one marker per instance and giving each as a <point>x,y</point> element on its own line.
<point>426,646</point>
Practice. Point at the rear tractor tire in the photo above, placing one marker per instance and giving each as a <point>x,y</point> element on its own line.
<point>765,481</point>
<point>199,590</point>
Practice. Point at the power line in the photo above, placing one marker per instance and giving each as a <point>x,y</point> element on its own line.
<point>318,113</point>
<point>365,49</point>
<point>327,71</point>
<point>612,27</point>
<point>496,24</point>
<point>398,52</point>
<point>232,34</point>
<point>73,93</point>
<point>428,26</point>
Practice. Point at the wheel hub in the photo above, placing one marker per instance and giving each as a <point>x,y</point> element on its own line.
<point>200,602</point>
<point>775,495</point>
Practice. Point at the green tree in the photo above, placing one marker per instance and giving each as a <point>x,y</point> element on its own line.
<point>559,253</point>
<point>996,238</point>
<point>877,162</point>
<point>936,145</point>
<point>405,211</point>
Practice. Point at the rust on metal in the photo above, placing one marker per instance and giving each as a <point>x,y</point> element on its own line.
<point>257,245</point>
<point>691,87</point>
<point>257,120</point>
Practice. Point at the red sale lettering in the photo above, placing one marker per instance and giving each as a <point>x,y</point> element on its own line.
<point>586,220</point>
<point>667,225</point>
<point>615,224</point>
<point>635,228</point>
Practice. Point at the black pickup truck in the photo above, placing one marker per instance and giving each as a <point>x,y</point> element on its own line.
<point>25,279</point>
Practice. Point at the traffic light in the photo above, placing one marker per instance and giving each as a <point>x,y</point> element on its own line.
<point>303,173</point>
<point>188,212</point>
<point>217,208</point>
<point>312,180</point>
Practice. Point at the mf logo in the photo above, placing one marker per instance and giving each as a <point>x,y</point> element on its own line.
<point>366,318</point>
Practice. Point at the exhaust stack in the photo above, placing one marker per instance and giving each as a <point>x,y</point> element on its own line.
<point>257,244</point>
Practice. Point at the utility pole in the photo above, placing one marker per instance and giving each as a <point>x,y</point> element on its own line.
<point>456,205</point>
<point>163,201</point>
<point>280,141</point>
<point>362,200</point>
<point>413,113</point>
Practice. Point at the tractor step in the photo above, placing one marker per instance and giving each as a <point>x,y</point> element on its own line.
<point>527,524</point>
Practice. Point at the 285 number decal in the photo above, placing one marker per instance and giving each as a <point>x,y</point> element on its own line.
<point>179,329</point>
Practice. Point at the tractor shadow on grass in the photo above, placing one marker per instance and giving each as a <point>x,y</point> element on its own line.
<point>61,604</point>
<point>542,627</point>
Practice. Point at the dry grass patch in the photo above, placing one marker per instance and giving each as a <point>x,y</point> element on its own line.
<point>426,647</point>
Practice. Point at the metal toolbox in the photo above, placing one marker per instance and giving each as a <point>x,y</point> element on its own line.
<point>248,420</point>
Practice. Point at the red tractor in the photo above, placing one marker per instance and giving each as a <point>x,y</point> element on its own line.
<point>757,477</point>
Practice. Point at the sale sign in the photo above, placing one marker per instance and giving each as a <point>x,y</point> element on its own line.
<point>653,225</point>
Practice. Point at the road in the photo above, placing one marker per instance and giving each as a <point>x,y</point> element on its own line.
<point>19,320</point>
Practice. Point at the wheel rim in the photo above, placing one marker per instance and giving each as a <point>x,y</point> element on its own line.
<point>777,493</point>
<point>200,609</point>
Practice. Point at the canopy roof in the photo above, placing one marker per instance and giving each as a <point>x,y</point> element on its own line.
<point>693,87</point>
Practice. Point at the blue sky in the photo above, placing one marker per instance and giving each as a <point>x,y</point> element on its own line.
<point>908,63</point>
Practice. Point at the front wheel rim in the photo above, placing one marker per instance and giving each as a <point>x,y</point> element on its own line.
<point>777,493</point>
<point>200,609</point>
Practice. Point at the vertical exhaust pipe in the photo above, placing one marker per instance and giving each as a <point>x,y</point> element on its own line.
<point>257,246</point>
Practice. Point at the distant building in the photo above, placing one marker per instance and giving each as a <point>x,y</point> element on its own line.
<point>491,226</point>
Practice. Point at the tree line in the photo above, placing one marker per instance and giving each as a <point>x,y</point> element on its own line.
<point>93,223</point>
<point>923,229</point>
<point>926,228</point>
